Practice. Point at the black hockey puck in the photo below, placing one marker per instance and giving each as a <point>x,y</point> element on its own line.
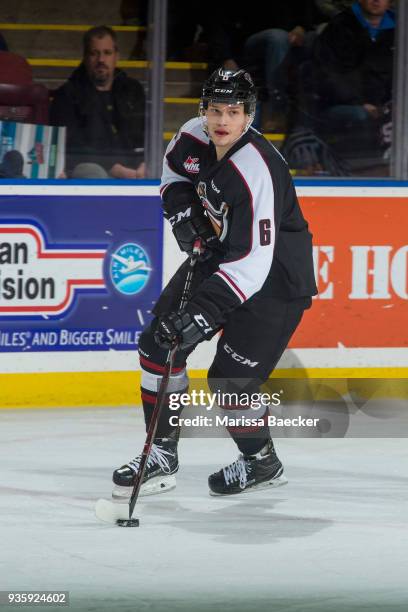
<point>128,522</point>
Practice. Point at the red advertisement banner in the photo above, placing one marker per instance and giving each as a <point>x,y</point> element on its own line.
<point>360,258</point>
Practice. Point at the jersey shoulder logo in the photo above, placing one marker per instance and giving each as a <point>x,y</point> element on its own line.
<point>202,194</point>
<point>192,165</point>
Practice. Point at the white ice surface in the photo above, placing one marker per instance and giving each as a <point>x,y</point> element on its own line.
<point>335,538</point>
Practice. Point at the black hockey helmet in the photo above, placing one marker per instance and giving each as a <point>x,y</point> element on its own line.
<point>230,87</point>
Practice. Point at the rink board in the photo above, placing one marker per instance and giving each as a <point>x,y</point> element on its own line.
<point>357,326</point>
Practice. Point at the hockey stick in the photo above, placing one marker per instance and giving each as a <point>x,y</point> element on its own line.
<point>161,395</point>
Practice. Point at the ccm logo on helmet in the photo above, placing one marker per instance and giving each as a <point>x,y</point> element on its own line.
<point>239,358</point>
<point>223,90</point>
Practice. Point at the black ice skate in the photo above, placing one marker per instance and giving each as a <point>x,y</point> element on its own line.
<point>159,474</point>
<point>249,473</point>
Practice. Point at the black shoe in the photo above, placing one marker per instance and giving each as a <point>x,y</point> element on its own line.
<point>249,473</point>
<point>159,477</point>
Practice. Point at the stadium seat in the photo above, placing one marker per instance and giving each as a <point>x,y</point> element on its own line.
<point>24,103</point>
<point>14,69</point>
<point>21,100</point>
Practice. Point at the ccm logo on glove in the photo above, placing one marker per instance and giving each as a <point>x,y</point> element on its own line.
<point>187,328</point>
<point>188,223</point>
<point>180,216</point>
<point>200,320</point>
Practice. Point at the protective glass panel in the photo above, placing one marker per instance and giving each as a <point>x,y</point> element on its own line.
<point>324,72</point>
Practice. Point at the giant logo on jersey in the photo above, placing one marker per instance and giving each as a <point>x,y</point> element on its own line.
<point>41,279</point>
<point>202,194</point>
<point>218,216</point>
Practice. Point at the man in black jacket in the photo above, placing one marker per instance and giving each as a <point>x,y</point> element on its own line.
<point>354,64</point>
<point>103,110</point>
<point>291,26</point>
<point>224,183</point>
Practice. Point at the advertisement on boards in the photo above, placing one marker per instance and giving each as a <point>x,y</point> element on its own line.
<point>360,259</point>
<point>78,273</point>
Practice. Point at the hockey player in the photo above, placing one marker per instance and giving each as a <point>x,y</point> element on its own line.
<point>224,183</point>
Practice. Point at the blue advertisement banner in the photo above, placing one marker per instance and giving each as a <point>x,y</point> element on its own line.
<point>78,273</point>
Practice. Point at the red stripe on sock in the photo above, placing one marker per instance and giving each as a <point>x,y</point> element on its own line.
<point>156,367</point>
<point>150,399</point>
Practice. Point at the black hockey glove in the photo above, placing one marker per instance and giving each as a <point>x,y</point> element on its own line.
<point>186,328</point>
<point>188,223</point>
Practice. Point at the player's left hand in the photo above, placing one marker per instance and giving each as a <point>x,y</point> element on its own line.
<point>186,328</point>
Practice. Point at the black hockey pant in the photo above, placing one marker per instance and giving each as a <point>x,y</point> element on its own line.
<point>251,343</point>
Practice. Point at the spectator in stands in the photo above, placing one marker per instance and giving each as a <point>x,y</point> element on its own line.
<point>353,63</point>
<point>291,28</point>
<point>344,94</point>
<point>103,110</point>
<point>228,33</point>
<point>331,8</point>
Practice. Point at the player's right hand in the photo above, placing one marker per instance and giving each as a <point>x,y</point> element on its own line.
<point>190,223</point>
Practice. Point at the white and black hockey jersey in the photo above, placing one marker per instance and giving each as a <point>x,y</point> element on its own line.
<point>250,196</point>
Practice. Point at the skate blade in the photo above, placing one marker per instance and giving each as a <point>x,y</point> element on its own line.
<point>110,512</point>
<point>151,487</point>
<point>274,482</point>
